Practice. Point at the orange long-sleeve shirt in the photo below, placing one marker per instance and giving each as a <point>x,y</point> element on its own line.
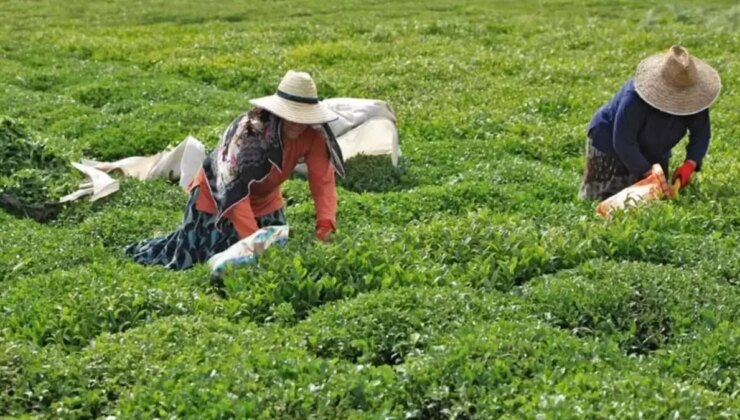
<point>265,196</point>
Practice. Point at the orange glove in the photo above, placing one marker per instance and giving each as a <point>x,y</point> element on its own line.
<point>324,229</point>
<point>684,172</point>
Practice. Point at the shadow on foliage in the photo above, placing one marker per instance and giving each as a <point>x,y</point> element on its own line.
<point>373,174</point>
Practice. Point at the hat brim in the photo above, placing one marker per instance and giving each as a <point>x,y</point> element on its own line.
<point>654,89</point>
<point>295,111</point>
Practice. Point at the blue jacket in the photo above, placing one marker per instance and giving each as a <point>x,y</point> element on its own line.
<point>640,135</point>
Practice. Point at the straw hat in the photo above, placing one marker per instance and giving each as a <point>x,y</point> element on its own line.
<point>297,100</point>
<point>677,83</point>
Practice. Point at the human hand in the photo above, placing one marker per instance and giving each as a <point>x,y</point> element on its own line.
<point>684,172</point>
<point>324,229</point>
<point>664,187</point>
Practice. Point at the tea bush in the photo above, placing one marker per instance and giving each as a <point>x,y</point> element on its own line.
<point>30,171</point>
<point>88,383</point>
<point>492,369</point>
<point>470,282</point>
<point>643,306</point>
<point>710,359</point>
<point>374,174</point>
<point>72,307</point>
<point>240,369</point>
<point>612,393</point>
<point>386,327</point>
<point>27,248</point>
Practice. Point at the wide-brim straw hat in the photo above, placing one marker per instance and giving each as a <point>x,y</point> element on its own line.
<point>677,83</point>
<point>297,100</point>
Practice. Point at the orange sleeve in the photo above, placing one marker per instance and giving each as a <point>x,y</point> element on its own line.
<point>204,202</point>
<point>321,180</point>
<point>242,217</point>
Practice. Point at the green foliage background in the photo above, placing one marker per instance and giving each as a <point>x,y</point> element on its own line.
<point>471,283</point>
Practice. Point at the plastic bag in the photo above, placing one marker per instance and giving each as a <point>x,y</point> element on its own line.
<point>650,188</point>
<point>246,250</point>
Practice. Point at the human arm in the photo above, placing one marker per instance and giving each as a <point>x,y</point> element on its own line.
<point>629,118</point>
<point>322,185</point>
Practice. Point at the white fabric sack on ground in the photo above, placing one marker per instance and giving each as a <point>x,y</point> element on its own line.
<point>353,112</point>
<point>180,163</point>
<point>374,137</point>
<point>246,250</point>
<point>97,185</point>
<point>365,126</point>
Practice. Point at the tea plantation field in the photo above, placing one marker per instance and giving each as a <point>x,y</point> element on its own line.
<point>470,283</point>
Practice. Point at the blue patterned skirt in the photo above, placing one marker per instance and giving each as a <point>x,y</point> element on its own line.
<point>197,239</point>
